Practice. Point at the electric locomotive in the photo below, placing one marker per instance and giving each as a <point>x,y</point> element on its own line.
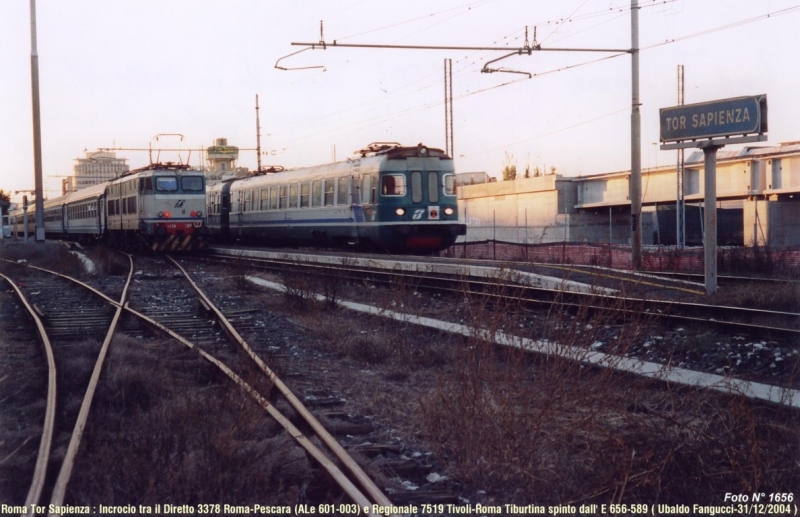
<point>159,206</point>
<point>390,197</point>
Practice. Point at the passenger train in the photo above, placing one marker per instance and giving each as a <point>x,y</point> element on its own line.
<point>390,197</point>
<point>160,206</point>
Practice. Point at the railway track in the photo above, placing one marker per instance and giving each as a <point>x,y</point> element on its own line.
<point>770,324</point>
<point>157,287</point>
<point>166,304</point>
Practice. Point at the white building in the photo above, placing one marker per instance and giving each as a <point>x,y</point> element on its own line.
<point>96,167</point>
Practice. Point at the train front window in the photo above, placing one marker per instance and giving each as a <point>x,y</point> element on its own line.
<point>416,187</point>
<point>166,183</point>
<point>433,187</point>
<point>449,182</point>
<point>192,183</point>
<point>393,185</point>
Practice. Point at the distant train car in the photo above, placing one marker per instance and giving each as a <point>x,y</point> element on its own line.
<point>159,206</point>
<point>392,198</point>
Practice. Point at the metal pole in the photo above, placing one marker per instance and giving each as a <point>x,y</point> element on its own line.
<point>448,108</point>
<point>710,245</point>
<point>636,145</point>
<point>37,129</point>
<point>258,137</point>
<point>680,205</point>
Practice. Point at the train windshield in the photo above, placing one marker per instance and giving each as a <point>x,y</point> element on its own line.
<point>192,184</point>
<point>166,184</point>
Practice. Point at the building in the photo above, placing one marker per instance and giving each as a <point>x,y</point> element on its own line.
<point>96,167</point>
<point>222,161</point>
<point>758,202</point>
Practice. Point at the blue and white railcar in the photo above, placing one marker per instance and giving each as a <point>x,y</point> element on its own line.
<point>394,198</point>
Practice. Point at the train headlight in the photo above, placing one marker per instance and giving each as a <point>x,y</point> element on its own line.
<point>400,211</point>
<point>448,211</point>
<point>161,214</point>
<point>199,213</point>
<point>165,215</point>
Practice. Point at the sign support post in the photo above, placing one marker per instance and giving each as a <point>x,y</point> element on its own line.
<point>710,217</point>
<point>710,126</point>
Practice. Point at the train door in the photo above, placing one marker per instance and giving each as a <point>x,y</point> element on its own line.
<point>225,210</point>
<point>355,203</point>
<point>239,215</point>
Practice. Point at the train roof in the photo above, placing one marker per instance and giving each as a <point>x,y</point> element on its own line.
<point>374,158</point>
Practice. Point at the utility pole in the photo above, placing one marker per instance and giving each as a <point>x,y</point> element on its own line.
<point>258,137</point>
<point>448,107</point>
<point>636,145</point>
<point>37,130</point>
<point>680,206</point>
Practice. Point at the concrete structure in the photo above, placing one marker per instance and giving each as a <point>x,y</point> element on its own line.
<point>758,193</point>
<point>96,167</point>
<point>222,161</point>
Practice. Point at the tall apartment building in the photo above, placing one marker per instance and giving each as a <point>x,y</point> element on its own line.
<point>96,167</point>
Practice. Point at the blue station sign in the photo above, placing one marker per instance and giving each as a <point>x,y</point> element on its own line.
<point>738,116</point>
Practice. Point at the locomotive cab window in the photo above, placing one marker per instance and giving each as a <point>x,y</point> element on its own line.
<point>192,183</point>
<point>393,185</point>
<point>146,185</point>
<point>166,184</point>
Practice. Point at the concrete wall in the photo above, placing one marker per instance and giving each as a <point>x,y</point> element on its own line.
<point>528,210</point>
<point>772,223</point>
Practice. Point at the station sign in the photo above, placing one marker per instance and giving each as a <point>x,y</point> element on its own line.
<point>737,116</point>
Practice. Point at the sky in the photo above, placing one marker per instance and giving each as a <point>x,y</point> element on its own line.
<point>137,73</point>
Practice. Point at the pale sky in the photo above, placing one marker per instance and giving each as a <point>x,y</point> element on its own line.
<point>118,73</point>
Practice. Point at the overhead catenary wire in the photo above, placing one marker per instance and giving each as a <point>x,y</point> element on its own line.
<point>365,123</point>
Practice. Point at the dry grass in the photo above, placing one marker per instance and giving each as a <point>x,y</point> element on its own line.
<point>526,427</point>
<point>166,428</point>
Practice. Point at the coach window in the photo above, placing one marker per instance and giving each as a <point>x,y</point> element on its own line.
<point>366,189</point>
<point>316,193</point>
<point>273,198</point>
<point>282,197</point>
<point>328,191</point>
<point>433,187</point>
<point>166,184</point>
<point>393,185</point>
<point>416,187</point>
<point>293,195</point>
<point>342,192</point>
<point>264,204</point>
<point>192,183</point>
<point>449,182</point>
<point>305,188</point>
